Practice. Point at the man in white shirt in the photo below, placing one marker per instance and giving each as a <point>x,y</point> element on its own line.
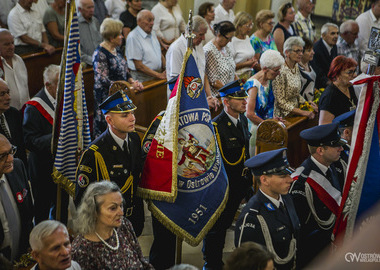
<point>174,56</point>
<point>143,50</point>
<point>367,20</point>
<point>224,12</point>
<point>15,70</point>
<point>25,24</point>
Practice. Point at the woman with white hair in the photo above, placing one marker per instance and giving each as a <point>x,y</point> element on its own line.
<point>106,238</point>
<point>260,102</point>
<point>287,86</point>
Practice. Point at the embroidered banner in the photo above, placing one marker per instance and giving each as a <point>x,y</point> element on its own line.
<point>184,172</point>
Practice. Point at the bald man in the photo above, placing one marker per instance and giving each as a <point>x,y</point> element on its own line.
<point>16,206</point>
<point>143,50</point>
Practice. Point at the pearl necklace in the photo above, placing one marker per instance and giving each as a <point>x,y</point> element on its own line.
<point>108,245</point>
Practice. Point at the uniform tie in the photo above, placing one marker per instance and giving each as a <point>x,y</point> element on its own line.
<point>331,175</point>
<point>11,218</point>
<point>4,127</point>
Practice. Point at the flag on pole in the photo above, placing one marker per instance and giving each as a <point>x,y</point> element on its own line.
<point>362,186</point>
<point>74,130</point>
<point>184,176</point>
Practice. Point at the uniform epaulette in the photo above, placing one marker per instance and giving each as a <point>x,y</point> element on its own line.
<point>94,147</point>
<point>214,123</point>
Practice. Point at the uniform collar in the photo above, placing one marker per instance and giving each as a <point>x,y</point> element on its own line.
<point>118,140</point>
<point>233,119</point>
<point>273,200</point>
<point>322,167</point>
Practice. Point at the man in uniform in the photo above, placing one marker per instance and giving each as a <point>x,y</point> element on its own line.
<point>317,189</point>
<point>269,218</point>
<point>231,128</point>
<point>116,156</point>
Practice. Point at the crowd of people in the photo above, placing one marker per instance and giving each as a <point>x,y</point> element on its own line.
<point>275,72</point>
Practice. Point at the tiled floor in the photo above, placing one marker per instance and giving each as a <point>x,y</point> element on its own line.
<point>190,255</point>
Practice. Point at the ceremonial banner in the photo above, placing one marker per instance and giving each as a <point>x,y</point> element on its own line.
<point>184,174</point>
<point>362,186</point>
<point>74,130</point>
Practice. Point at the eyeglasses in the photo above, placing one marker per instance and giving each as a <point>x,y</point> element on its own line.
<point>248,25</point>
<point>277,70</point>
<point>228,38</point>
<point>271,23</point>
<point>299,51</point>
<point>4,156</point>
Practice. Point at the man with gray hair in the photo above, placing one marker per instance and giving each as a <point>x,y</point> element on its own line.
<point>37,126</point>
<point>348,43</point>
<point>16,205</point>
<point>51,247</point>
<point>224,11</point>
<point>325,51</point>
<point>303,23</point>
<point>15,72</point>
<point>177,50</point>
<point>89,30</point>
<point>143,50</point>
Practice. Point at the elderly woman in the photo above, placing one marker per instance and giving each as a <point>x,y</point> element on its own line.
<point>207,11</point>
<point>54,21</point>
<point>106,238</point>
<point>168,21</point>
<point>308,75</point>
<point>339,97</point>
<point>109,66</point>
<point>259,87</point>
<point>286,87</point>
<point>262,39</point>
<point>242,50</point>
<point>284,28</point>
<point>220,64</point>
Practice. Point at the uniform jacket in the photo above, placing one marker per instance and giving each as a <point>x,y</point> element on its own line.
<point>119,167</point>
<point>321,62</point>
<point>19,185</point>
<point>232,142</point>
<point>313,239</point>
<point>14,121</point>
<point>282,227</point>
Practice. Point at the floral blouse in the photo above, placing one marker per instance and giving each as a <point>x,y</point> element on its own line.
<point>95,255</point>
<point>286,90</point>
<point>107,69</point>
<point>261,46</point>
<point>220,65</point>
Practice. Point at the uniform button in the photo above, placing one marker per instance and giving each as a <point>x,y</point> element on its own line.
<point>112,172</point>
<point>283,238</point>
<point>125,170</point>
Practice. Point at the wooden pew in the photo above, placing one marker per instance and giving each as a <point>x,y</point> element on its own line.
<point>272,134</point>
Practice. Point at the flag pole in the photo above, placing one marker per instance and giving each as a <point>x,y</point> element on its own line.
<point>57,112</point>
<point>189,36</point>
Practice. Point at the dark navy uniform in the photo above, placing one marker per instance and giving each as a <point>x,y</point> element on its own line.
<point>105,160</point>
<point>345,120</point>
<point>233,142</point>
<point>315,212</point>
<point>261,221</point>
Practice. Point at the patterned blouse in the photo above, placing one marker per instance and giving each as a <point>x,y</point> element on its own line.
<point>286,90</point>
<point>261,46</point>
<point>264,99</point>
<point>95,255</point>
<point>220,65</point>
<point>107,69</point>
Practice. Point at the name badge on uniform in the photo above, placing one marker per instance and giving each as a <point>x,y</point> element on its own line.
<point>118,166</point>
<point>270,206</point>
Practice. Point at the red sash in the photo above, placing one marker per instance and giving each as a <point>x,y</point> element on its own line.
<point>43,108</point>
<point>329,195</point>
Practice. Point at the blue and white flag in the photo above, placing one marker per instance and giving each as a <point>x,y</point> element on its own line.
<point>74,130</point>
